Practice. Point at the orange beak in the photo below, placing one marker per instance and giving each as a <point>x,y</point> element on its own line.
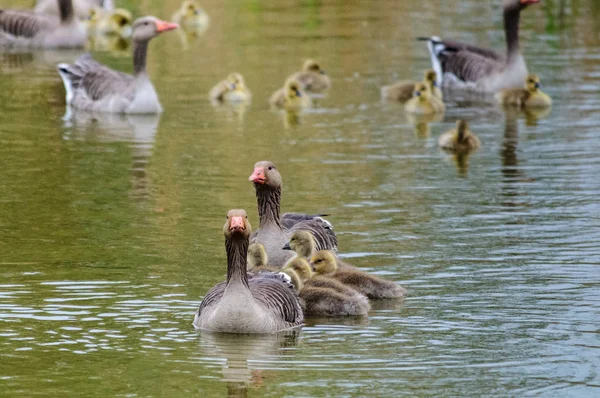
<point>237,224</point>
<point>164,26</point>
<point>528,2</point>
<point>258,176</point>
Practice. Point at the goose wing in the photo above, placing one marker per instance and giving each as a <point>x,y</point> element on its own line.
<point>22,23</point>
<point>97,80</point>
<point>455,46</point>
<point>288,220</point>
<point>277,294</point>
<point>467,65</point>
<point>213,296</point>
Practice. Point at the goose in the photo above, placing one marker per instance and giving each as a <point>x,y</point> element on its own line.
<point>312,78</point>
<point>303,244</point>
<point>465,67</point>
<point>81,8</point>
<point>264,303</point>
<point>460,139</point>
<point>92,86</point>
<point>423,103</point>
<point>190,16</point>
<point>403,91</point>
<point>117,22</point>
<point>232,89</point>
<point>25,29</point>
<point>275,231</point>
<point>323,263</point>
<point>528,97</point>
<point>290,97</point>
<point>324,296</point>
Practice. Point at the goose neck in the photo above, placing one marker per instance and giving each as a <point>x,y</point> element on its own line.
<point>237,251</point>
<point>140,52</point>
<point>511,30</point>
<point>269,202</point>
<point>65,9</point>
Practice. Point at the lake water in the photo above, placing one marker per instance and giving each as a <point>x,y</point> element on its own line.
<point>111,227</point>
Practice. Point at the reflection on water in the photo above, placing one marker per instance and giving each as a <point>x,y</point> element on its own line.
<point>111,226</point>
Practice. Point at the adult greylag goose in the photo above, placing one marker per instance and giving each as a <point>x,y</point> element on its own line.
<point>26,29</point>
<point>290,97</point>
<point>81,8</point>
<point>275,231</point>
<point>233,89</point>
<point>312,78</point>
<point>531,96</point>
<point>467,67</point>
<point>460,139</point>
<point>423,102</point>
<point>403,91</point>
<point>92,86</point>
<point>323,263</point>
<point>264,303</point>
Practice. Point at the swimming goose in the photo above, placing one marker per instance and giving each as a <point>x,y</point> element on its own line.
<point>272,233</point>
<point>190,16</point>
<point>25,29</point>
<point>403,91</point>
<point>460,139</point>
<point>117,22</point>
<point>81,8</point>
<point>466,67</point>
<point>312,78</point>
<point>92,86</point>
<point>528,97</point>
<point>423,103</point>
<point>232,89</point>
<point>290,97</point>
<point>264,303</point>
<point>323,263</point>
<point>324,296</point>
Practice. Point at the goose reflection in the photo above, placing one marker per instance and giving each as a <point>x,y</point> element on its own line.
<point>512,174</point>
<point>240,352</point>
<point>138,131</point>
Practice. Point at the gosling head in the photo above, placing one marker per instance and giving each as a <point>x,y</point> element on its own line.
<point>265,175</point>
<point>532,84</point>
<point>421,92</point>
<point>431,77</point>
<point>311,65</point>
<point>462,129</point>
<point>302,242</point>
<point>94,15</point>
<point>190,9</point>
<point>292,90</point>
<point>236,81</point>
<point>257,256</point>
<point>237,225</point>
<point>121,17</point>
<point>323,262</point>
<point>301,267</point>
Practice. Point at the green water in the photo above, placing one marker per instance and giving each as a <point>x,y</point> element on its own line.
<point>111,227</point>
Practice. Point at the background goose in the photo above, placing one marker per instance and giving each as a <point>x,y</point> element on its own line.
<point>528,97</point>
<point>323,263</point>
<point>290,97</point>
<point>423,103</point>
<point>92,86</point>
<point>463,66</point>
<point>312,78</point>
<point>232,89</point>
<point>265,303</point>
<point>460,139</point>
<point>403,91</point>
<point>271,233</point>
<point>81,8</point>
<point>25,29</point>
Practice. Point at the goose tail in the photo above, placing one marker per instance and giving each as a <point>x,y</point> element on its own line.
<point>435,47</point>
<point>66,75</point>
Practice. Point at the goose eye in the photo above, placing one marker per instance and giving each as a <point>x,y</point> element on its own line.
<point>270,167</point>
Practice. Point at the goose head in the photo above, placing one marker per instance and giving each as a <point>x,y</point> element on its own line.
<point>237,225</point>
<point>518,4</point>
<point>431,77</point>
<point>302,242</point>
<point>236,82</point>
<point>310,65</point>
<point>421,92</point>
<point>265,174</point>
<point>301,267</point>
<point>257,256</point>
<point>323,262</point>
<point>532,84</point>
<point>292,90</point>
<point>145,28</point>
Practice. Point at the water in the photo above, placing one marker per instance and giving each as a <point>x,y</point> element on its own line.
<point>110,227</point>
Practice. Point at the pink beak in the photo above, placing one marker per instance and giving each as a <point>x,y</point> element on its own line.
<point>164,26</point>
<point>528,2</point>
<point>258,176</point>
<point>237,224</point>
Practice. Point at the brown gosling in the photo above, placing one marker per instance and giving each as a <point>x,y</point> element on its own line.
<point>290,97</point>
<point>323,263</point>
<point>312,78</point>
<point>324,296</point>
<point>403,91</point>
<point>460,139</point>
<point>232,89</point>
<point>528,97</point>
<point>257,259</point>
<point>423,103</point>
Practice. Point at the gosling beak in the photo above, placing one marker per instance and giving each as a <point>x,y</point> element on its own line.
<point>258,176</point>
<point>164,26</point>
<point>417,93</point>
<point>232,86</point>
<point>312,266</point>
<point>323,72</point>
<point>196,12</point>
<point>287,246</point>
<point>298,93</point>
<point>537,85</point>
<point>237,224</point>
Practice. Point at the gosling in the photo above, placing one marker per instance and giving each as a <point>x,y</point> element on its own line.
<point>459,140</point>
<point>528,97</point>
<point>403,91</point>
<point>290,97</point>
<point>423,103</point>
<point>233,90</point>
<point>190,16</point>
<point>312,78</point>
<point>303,243</point>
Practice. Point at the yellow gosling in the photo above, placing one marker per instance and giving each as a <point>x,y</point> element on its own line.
<point>312,78</point>
<point>528,97</point>
<point>290,97</point>
<point>190,16</point>
<point>460,139</point>
<point>423,103</point>
<point>232,89</point>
